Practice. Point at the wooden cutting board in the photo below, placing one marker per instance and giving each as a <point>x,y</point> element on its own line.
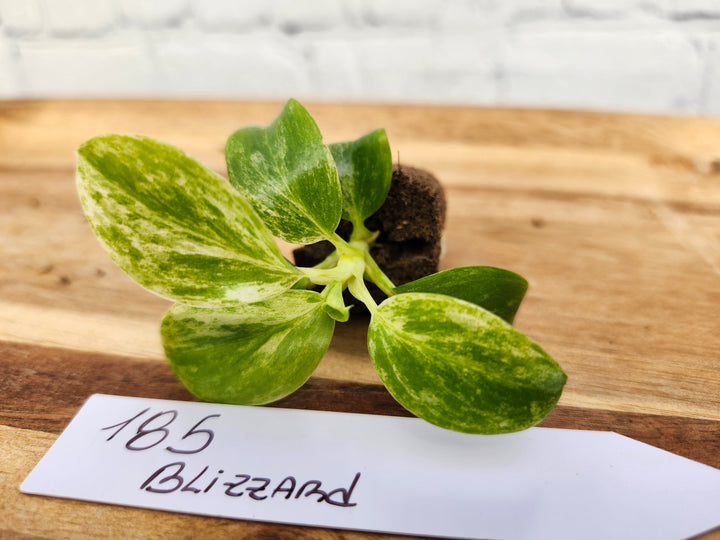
<point>613,219</point>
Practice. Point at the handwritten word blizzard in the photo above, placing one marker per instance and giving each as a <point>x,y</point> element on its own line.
<point>374,473</point>
<point>154,429</point>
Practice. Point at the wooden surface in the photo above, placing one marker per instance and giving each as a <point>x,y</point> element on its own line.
<point>613,219</point>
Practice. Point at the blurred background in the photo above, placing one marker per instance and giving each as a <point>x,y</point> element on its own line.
<point>654,56</point>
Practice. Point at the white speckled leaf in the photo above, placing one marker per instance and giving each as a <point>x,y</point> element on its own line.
<point>175,226</point>
<point>251,353</point>
<point>288,174</point>
<point>459,366</point>
<point>365,170</point>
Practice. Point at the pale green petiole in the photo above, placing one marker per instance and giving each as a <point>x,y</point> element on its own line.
<point>361,233</point>
<point>334,303</point>
<point>377,276</point>
<point>329,262</point>
<point>347,267</point>
<point>357,288</point>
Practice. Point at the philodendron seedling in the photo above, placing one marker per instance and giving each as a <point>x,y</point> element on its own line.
<point>249,327</point>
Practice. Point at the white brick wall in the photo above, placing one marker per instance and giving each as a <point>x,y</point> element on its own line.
<point>634,70</point>
<point>78,18</point>
<point>659,56</point>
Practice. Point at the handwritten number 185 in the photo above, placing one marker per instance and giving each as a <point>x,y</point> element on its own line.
<point>155,430</point>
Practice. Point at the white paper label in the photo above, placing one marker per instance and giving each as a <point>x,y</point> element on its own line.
<point>374,473</point>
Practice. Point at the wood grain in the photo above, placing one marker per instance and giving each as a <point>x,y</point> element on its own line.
<point>614,220</point>
<point>62,379</point>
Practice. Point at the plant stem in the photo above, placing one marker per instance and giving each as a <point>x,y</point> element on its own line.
<point>329,262</point>
<point>360,233</point>
<point>356,286</point>
<point>351,263</point>
<point>334,304</point>
<point>326,276</point>
<point>377,276</point>
<point>341,246</point>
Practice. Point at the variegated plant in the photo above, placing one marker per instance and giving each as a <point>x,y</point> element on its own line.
<point>249,327</point>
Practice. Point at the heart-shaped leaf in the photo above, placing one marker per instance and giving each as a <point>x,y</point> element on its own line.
<point>288,173</point>
<point>459,366</point>
<point>248,354</point>
<point>495,289</point>
<point>175,226</point>
<point>364,168</point>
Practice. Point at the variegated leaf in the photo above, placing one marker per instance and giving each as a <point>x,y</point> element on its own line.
<point>250,353</point>
<point>287,172</point>
<point>175,226</point>
<point>365,170</point>
<point>495,289</point>
<point>459,366</point>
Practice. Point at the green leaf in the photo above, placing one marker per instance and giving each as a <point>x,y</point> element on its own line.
<point>365,170</point>
<point>287,172</point>
<point>460,367</point>
<point>175,226</point>
<point>495,289</point>
<point>250,353</point>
